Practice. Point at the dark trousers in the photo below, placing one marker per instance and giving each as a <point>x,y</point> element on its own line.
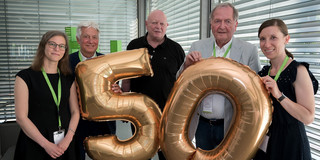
<point>209,134</point>
<point>91,128</point>
<point>260,155</point>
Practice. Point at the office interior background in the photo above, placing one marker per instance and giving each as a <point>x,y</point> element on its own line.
<point>23,22</point>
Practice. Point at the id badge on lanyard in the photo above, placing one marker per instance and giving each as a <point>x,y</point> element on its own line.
<point>57,135</point>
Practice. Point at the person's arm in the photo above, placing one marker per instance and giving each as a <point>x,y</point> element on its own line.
<point>181,69</point>
<point>21,95</point>
<point>125,84</point>
<point>194,55</point>
<point>254,62</point>
<point>191,58</point>
<point>75,115</point>
<point>304,109</point>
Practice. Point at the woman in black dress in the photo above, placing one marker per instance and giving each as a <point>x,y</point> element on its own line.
<point>292,87</point>
<point>46,103</point>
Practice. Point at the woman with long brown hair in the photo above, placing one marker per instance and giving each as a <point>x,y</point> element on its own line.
<point>46,104</point>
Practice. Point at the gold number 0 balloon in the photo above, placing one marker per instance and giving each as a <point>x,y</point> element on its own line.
<point>99,103</point>
<point>251,105</point>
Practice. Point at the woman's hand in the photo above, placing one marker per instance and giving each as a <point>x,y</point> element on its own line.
<point>271,86</point>
<point>64,143</point>
<point>53,150</point>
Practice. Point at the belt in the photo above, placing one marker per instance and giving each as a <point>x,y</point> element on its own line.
<point>212,121</point>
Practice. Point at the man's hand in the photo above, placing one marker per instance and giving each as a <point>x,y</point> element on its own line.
<point>116,88</point>
<point>192,58</point>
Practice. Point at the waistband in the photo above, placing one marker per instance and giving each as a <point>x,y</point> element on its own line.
<point>212,121</point>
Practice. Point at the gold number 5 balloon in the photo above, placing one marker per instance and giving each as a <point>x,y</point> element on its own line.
<point>99,103</point>
<point>251,105</point>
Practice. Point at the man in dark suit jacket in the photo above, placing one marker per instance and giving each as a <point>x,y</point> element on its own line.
<point>88,38</point>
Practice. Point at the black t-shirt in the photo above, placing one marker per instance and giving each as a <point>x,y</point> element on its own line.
<point>166,60</point>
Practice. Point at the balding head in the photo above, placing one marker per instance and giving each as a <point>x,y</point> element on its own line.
<point>156,25</point>
<point>157,14</point>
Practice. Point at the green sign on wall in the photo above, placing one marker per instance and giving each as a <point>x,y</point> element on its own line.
<point>115,46</point>
<point>73,44</point>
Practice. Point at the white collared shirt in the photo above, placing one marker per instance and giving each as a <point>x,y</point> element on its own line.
<point>85,58</point>
<point>213,105</point>
<point>220,51</point>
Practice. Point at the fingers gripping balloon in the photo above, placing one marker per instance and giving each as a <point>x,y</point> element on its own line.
<point>244,89</point>
<point>99,103</point>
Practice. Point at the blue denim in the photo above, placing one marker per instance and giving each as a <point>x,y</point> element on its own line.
<point>209,136</point>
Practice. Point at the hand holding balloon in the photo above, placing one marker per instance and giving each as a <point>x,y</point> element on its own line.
<point>192,58</point>
<point>116,88</point>
<point>271,86</point>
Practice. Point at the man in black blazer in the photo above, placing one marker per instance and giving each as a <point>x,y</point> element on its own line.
<point>88,38</point>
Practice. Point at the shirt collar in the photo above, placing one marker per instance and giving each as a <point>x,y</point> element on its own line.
<point>161,45</point>
<point>225,47</point>
<point>85,58</point>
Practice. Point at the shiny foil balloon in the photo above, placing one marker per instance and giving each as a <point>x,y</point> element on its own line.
<point>251,106</point>
<point>99,103</point>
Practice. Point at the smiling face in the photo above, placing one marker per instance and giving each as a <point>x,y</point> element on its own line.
<point>55,48</point>
<point>89,41</point>
<point>223,25</point>
<point>272,42</point>
<point>156,25</point>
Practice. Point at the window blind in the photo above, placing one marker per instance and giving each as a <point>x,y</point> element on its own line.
<point>23,22</point>
<point>183,17</point>
<point>302,19</point>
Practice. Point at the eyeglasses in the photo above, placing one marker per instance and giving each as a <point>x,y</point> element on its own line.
<point>54,45</point>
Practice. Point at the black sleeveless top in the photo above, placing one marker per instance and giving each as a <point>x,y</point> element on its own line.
<point>43,112</point>
<point>288,139</point>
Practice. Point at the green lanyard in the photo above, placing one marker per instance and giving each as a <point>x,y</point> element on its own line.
<point>280,69</point>
<point>55,98</point>
<point>80,57</point>
<point>225,53</point>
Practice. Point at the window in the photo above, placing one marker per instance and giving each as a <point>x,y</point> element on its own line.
<point>23,22</point>
<point>183,17</point>
<point>302,19</point>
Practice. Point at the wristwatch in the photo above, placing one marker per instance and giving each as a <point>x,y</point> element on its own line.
<point>282,97</point>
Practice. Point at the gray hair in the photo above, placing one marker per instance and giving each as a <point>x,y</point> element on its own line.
<point>222,5</point>
<point>87,24</point>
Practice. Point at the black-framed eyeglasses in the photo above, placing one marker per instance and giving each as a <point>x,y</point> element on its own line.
<point>54,45</point>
